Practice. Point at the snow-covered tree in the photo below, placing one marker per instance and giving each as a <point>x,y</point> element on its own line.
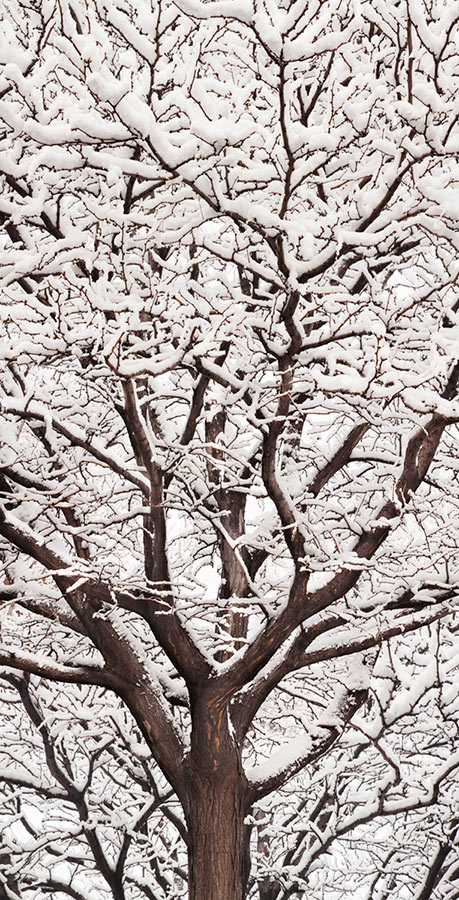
<point>229,407</point>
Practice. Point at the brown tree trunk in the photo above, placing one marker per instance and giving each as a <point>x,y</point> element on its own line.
<point>217,852</point>
<point>215,805</point>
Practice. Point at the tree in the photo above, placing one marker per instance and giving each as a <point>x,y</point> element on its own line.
<point>229,372</point>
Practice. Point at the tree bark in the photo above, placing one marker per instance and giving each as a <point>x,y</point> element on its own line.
<point>217,852</point>
<point>216,802</point>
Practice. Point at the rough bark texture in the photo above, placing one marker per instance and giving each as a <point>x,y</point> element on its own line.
<point>216,802</point>
<point>217,865</point>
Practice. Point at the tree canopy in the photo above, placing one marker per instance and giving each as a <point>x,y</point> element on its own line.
<point>229,374</point>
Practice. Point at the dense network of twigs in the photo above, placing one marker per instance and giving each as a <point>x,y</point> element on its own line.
<point>229,503</point>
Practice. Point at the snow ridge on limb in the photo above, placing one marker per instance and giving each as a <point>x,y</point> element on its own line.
<point>42,666</point>
<point>305,749</point>
<point>241,11</point>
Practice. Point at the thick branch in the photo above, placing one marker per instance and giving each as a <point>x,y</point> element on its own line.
<point>322,739</point>
<point>340,458</point>
<point>65,672</point>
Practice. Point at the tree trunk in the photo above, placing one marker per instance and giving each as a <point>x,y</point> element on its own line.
<point>216,802</point>
<point>217,852</point>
